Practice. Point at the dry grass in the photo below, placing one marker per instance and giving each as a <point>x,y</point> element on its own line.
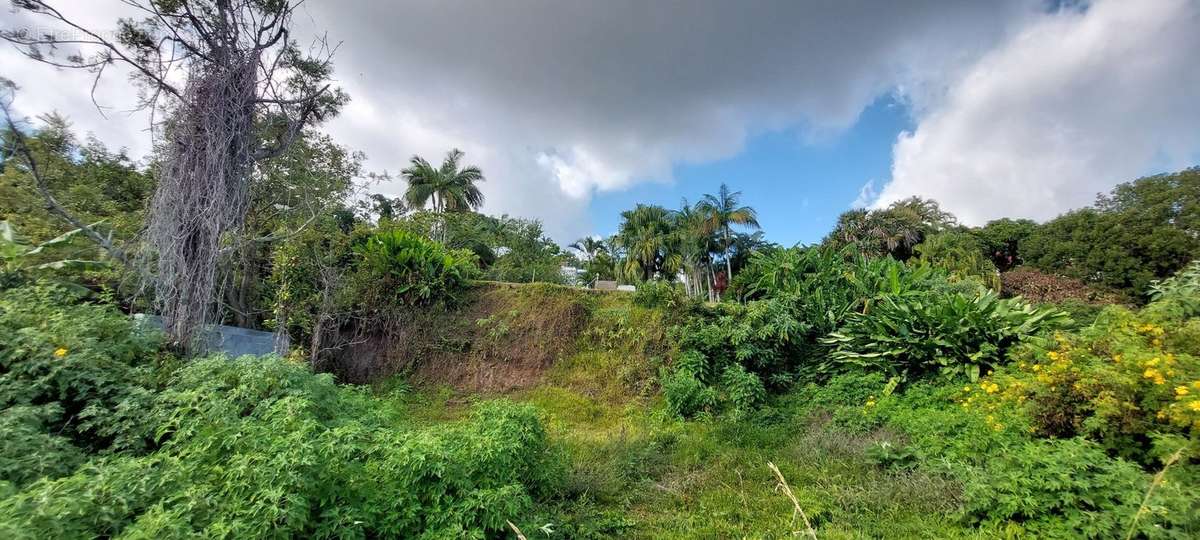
<point>787,491</point>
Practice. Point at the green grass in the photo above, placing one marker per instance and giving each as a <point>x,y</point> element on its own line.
<point>636,473</point>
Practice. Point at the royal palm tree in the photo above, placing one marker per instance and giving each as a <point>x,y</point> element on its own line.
<point>448,188</point>
<point>721,213</point>
<point>694,241</point>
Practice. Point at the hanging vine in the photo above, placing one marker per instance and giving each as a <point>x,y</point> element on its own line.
<point>247,92</point>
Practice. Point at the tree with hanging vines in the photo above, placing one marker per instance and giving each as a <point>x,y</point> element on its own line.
<point>227,87</point>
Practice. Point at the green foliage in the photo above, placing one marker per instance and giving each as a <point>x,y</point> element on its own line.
<point>399,267</point>
<point>90,181</point>
<point>657,294</point>
<point>450,188</point>
<point>893,231</point>
<point>961,256</point>
<point>1143,230</point>
<point>647,236</point>
<point>913,336</point>
<point>1066,488</point>
<point>259,447</point>
<point>1001,240</point>
<point>826,284</point>
<point>1183,287</point>
<point>80,371</point>
<point>309,277</point>
<point>1121,382</point>
<point>31,449</point>
<point>509,249</point>
<point>890,456</point>
<point>685,395</point>
<point>743,391</point>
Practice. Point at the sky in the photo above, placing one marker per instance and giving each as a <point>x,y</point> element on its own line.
<point>577,110</point>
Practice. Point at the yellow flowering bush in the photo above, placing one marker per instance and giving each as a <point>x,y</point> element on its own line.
<point>1117,382</point>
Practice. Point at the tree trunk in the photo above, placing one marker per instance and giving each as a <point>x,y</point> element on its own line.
<point>712,290</point>
<point>728,263</point>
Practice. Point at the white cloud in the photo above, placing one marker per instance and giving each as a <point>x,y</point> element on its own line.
<point>1070,106</point>
<point>559,100</point>
<point>867,195</point>
<point>1018,112</point>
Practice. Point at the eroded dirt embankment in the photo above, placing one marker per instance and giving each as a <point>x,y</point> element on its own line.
<point>500,337</point>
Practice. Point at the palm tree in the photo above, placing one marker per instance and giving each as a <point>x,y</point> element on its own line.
<point>647,237</point>
<point>449,188</point>
<point>598,263</point>
<point>721,213</point>
<point>589,246</point>
<point>892,231</point>
<point>694,241</point>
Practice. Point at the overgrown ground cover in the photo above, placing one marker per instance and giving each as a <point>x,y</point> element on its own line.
<point>1044,427</point>
<point>1087,431</point>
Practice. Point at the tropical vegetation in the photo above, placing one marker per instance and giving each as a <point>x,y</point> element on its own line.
<point>437,372</point>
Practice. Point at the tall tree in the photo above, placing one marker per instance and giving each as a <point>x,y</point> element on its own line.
<point>448,188</point>
<point>893,231</point>
<point>647,236</point>
<point>722,211</point>
<point>1143,230</point>
<point>695,241</point>
<point>236,90</point>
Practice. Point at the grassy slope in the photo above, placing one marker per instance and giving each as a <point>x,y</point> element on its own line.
<point>637,473</point>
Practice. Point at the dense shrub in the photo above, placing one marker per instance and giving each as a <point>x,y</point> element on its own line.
<point>767,337</point>
<point>259,447</point>
<point>1182,288</point>
<point>1058,488</point>
<point>102,439</point>
<point>917,335</point>
<point>399,267</point>
<point>78,370</point>
<point>685,395</point>
<point>961,255</point>
<point>658,293</point>
<point>1001,240</point>
<point>1143,230</point>
<point>743,391</point>
<point>802,294</point>
<point>1129,376</point>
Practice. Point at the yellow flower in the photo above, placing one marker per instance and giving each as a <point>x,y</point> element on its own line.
<point>1196,385</point>
<point>1181,390</point>
<point>1195,405</point>
<point>60,352</point>
<point>1037,367</point>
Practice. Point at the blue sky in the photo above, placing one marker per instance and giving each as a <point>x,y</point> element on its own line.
<point>797,184</point>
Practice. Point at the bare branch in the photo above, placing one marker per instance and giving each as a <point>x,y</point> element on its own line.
<point>46,9</point>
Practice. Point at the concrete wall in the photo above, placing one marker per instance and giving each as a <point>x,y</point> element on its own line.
<point>230,340</point>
